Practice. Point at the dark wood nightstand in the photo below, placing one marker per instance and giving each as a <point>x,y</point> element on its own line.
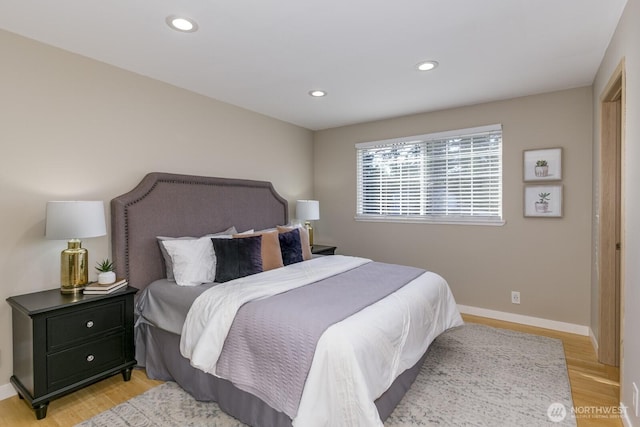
<point>64,342</point>
<point>323,250</point>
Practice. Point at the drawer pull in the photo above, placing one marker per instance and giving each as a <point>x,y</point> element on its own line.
<point>90,324</point>
<point>90,358</point>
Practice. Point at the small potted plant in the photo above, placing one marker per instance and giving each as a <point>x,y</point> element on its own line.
<point>542,205</point>
<point>542,168</point>
<point>106,275</point>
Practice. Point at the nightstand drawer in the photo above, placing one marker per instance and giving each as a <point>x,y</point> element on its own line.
<point>75,364</point>
<point>83,324</point>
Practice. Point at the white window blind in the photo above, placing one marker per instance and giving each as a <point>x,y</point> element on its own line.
<point>451,176</point>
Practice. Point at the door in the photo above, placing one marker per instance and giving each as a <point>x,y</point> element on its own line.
<point>611,220</point>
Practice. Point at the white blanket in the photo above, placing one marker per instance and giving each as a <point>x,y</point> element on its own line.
<point>345,376</point>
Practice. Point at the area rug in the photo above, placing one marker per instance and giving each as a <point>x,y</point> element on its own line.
<point>474,375</point>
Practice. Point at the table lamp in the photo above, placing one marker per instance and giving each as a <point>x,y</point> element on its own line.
<point>72,221</point>
<point>308,210</point>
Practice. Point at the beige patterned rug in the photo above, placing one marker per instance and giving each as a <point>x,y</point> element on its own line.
<point>474,375</point>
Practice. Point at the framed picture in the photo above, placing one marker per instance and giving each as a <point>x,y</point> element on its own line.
<point>543,201</point>
<point>543,165</point>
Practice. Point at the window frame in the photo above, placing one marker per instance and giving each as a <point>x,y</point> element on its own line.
<point>491,220</point>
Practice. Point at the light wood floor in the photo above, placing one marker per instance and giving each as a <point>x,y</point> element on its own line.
<point>593,385</point>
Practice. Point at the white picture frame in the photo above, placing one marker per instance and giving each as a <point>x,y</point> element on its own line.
<point>543,201</point>
<point>542,165</point>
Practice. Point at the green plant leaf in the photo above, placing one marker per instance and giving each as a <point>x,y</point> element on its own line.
<point>105,266</point>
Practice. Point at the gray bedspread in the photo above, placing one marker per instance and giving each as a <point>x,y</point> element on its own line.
<point>272,341</point>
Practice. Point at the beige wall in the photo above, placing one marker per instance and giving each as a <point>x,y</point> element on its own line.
<point>624,45</point>
<point>62,114</point>
<point>547,260</point>
<point>74,128</point>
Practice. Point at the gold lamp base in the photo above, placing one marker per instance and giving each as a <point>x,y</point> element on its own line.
<point>74,271</point>
<point>309,228</point>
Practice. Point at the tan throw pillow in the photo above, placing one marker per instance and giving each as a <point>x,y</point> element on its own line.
<point>304,239</point>
<point>270,251</point>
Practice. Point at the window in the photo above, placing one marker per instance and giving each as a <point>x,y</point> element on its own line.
<point>451,176</point>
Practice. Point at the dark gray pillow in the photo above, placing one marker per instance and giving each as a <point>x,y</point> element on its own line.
<point>237,257</point>
<point>290,247</point>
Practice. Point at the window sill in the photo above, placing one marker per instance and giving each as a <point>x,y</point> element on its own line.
<point>442,221</point>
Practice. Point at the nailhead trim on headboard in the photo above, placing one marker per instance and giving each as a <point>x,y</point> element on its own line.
<point>253,204</point>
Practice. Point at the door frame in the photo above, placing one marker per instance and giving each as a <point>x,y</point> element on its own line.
<point>611,219</point>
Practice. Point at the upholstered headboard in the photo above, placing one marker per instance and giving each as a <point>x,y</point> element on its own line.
<point>164,204</point>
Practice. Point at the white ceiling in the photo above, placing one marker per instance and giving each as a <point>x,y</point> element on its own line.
<point>267,55</point>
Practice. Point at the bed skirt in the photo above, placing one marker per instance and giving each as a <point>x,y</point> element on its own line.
<point>159,352</point>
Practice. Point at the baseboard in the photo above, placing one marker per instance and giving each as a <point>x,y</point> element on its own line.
<point>625,417</point>
<point>526,320</point>
<point>6,391</point>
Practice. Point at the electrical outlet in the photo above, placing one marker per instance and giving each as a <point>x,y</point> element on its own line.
<point>515,297</point>
<point>634,402</point>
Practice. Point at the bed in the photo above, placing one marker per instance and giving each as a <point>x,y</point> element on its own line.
<point>361,363</point>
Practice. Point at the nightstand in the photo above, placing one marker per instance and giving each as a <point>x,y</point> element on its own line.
<point>64,342</point>
<point>323,250</point>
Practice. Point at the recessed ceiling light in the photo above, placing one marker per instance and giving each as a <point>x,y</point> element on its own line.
<point>183,24</point>
<point>318,93</point>
<point>427,65</point>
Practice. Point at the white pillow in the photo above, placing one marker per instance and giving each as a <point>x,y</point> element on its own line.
<point>167,259</point>
<point>250,231</point>
<point>193,260</point>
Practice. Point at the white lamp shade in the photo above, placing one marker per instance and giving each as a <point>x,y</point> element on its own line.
<point>75,220</point>
<point>308,210</point>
